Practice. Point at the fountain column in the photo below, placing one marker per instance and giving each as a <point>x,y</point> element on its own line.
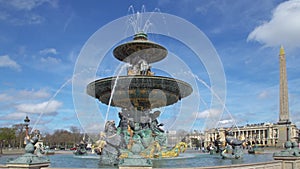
<point>263,137</point>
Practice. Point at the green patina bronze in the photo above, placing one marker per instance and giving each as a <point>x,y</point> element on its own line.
<point>291,150</point>
<point>29,158</point>
<point>139,91</point>
<point>138,136</point>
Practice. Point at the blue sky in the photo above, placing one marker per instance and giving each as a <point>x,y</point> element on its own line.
<point>41,40</point>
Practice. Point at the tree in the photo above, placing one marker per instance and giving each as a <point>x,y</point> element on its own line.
<point>6,136</point>
<point>19,129</point>
<point>76,133</point>
<point>63,138</point>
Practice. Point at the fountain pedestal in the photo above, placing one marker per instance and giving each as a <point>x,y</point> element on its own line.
<point>28,165</point>
<point>290,156</point>
<point>29,160</point>
<point>123,167</point>
<point>135,162</point>
<point>289,162</point>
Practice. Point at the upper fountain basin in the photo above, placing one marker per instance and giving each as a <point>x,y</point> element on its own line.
<point>140,49</point>
<point>142,92</point>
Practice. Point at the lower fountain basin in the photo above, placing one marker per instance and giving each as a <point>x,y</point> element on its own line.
<point>185,160</point>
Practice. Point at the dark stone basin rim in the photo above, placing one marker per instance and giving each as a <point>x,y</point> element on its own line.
<point>121,52</point>
<point>162,83</point>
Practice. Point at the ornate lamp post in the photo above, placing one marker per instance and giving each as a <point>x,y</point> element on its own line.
<point>26,124</point>
<point>167,140</point>
<point>26,120</point>
<point>29,160</point>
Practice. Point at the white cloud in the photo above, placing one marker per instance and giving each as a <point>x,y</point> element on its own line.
<point>224,122</point>
<point>26,5</point>
<point>21,12</point>
<point>215,118</point>
<point>23,95</point>
<point>34,19</point>
<point>4,97</point>
<point>282,29</point>
<point>23,19</point>
<point>209,113</point>
<point>48,51</point>
<point>50,60</point>
<point>45,107</point>
<point>263,94</point>
<point>6,61</point>
<point>13,116</point>
<point>33,94</point>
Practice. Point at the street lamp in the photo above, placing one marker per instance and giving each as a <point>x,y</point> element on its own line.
<point>167,143</point>
<point>26,123</point>
<point>29,159</point>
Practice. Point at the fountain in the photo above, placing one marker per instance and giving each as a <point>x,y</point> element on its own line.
<point>29,160</point>
<point>138,136</point>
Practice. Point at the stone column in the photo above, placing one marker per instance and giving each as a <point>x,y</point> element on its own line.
<point>251,133</point>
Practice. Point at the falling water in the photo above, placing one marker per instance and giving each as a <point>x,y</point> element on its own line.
<point>219,99</point>
<point>138,23</point>
<point>206,115</point>
<point>113,91</point>
<point>50,100</point>
<point>55,94</point>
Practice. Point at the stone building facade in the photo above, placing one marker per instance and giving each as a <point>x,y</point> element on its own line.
<point>264,134</point>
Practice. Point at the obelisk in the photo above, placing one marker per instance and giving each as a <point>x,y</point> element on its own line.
<point>284,122</point>
<point>283,90</point>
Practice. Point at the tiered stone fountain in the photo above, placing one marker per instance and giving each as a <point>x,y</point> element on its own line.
<point>138,137</point>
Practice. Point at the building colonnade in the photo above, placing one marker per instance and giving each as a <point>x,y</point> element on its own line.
<point>263,134</point>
